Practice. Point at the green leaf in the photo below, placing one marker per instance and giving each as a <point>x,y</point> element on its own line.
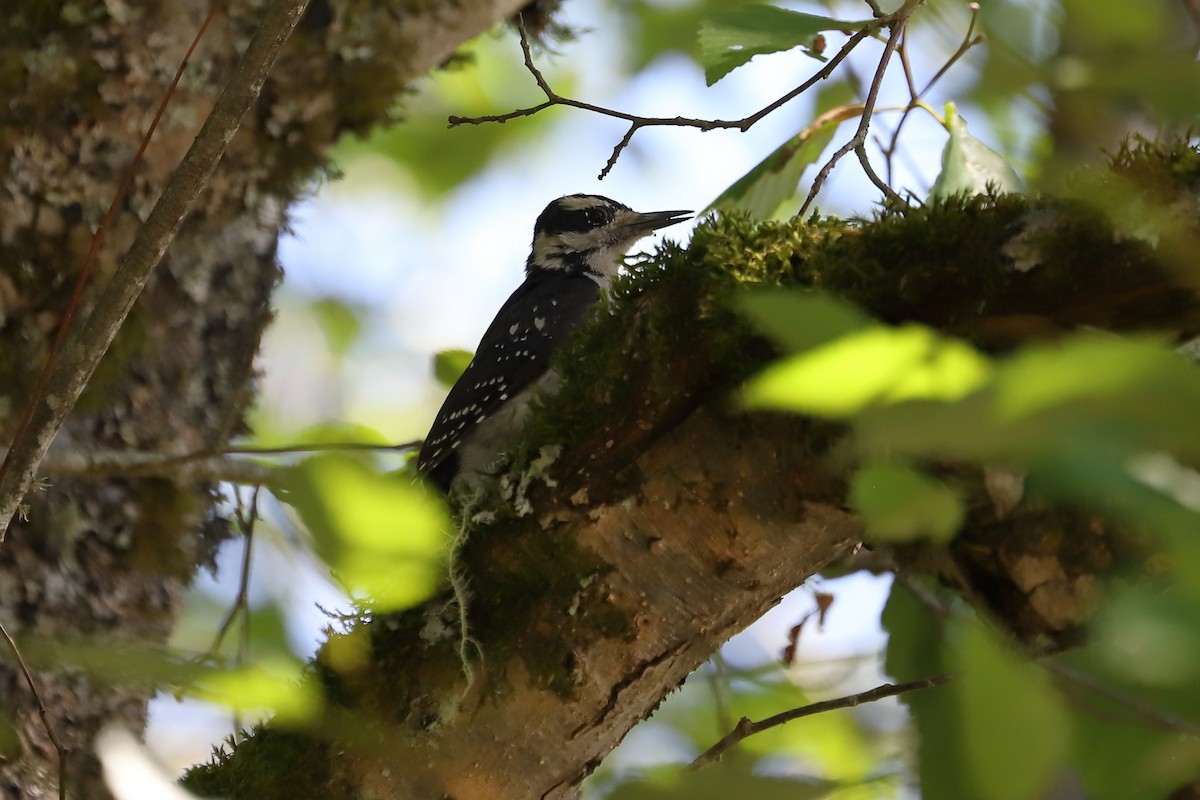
<point>799,320</point>
<point>1144,644</point>
<point>1084,397</point>
<point>340,322</point>
<point>725,779</point>
<point>969,165</point>
<point>876,365</point>
<point>915,650</point>
<point>899,504</point>
<point>774,179</point>
<point>274,685</point>
<point>448,365</point>
<point>384,536</point>
<point>1017,733</point>
<point>729,39</point>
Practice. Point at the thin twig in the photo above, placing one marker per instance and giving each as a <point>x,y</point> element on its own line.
<point>241,599</point>
<point>636,122</point>
<point>916,98</point>
<point>85,346</point>
<point>746,727</point>
<point>860,136</point>
<point>211,465</point>
<point>58,745</point>
<point>890,150</point>
<point>246,522</point>
<point>969,40</point>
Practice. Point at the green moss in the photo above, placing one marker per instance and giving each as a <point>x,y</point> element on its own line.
<point>270,764</point>
<point>531,579</point>
<point>1167,167</point>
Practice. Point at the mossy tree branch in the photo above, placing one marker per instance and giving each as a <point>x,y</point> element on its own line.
<point>671,520</point>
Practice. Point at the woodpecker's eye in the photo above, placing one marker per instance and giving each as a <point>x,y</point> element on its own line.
<point>595,217</point>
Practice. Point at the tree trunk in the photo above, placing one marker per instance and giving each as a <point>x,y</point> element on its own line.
<point>105,561</point>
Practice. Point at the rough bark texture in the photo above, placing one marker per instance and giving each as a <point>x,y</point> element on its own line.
<point>106,561</point>
<point>722,524</point>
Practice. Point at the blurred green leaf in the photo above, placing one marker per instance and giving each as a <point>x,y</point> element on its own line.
<point>1148,639</point>
<point>202,615</point>
<point>798,320</point>
<point>340,322</point>
<point>10,740</point>
<point>330,432</point>
<point>660,28</point>
<point>384,536</point>
<point>721,781</point>
<point>729,39</point>
<point>1091,394</point>
<point>439,160</point>
<point>1145,645</point>
<point>969,165</point>
<point>876,365</point>
<point>274,685</point>
<point>448,365</point>
<point>899,503</point>
<point>915,650</point>
<point>1017,733</point>
<point>774,179</point>
<point>1123,761</point>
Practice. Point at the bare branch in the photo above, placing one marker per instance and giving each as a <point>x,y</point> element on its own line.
<point>860,136</point>
<point>203,465</point>
<point>636,122</point>
<point>85,347</point>
<point>969,41</point>
<point>746,727</point>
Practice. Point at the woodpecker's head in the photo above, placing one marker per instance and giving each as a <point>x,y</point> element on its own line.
<point>589,233</point>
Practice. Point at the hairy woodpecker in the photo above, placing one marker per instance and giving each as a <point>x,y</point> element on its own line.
<point>578,243</point>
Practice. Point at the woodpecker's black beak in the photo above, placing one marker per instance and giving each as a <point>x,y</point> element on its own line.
<point>640,224</point>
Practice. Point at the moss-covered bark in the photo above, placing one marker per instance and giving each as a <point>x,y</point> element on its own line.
<point>671,520</point>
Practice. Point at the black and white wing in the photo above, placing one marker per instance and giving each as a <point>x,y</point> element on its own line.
<point>514,352</point>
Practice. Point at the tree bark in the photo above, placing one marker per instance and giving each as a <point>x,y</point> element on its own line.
<point>105,561</point>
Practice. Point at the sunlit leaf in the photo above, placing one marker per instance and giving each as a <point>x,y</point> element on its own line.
<point>1088,367</point>
<point>276,686</point>
<point>774,179</point>
<point>448,365</point>
<point>729,39</point>
<point>1016,731</point>
<point>877,365</point>
<point>1086,397</point>
<point>899,503</point>
<point>799,321</point>
<point>384,536</point>
<point>969,166</point>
